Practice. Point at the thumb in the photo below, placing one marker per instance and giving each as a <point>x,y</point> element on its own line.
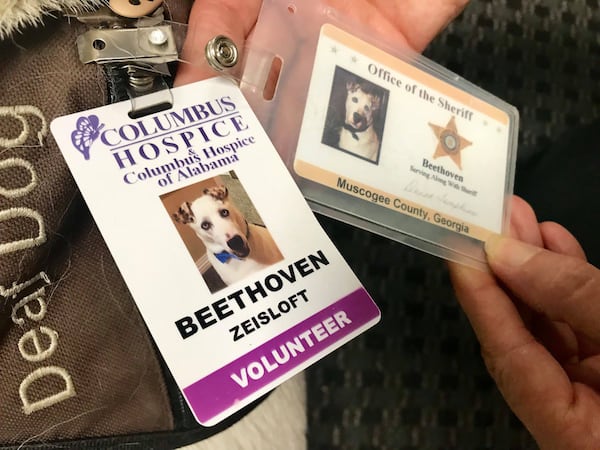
<point>210,18</point>
<point>563,288</point>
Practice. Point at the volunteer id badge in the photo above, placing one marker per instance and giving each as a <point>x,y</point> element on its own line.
<point>237,282</point>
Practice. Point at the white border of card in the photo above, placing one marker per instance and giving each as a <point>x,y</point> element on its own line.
<point>236,280</point>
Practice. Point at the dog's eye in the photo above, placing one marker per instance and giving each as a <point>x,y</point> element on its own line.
<point>367,108</point>
<point>205,225</point>
<point>224,213</point>
<point>354,100</point>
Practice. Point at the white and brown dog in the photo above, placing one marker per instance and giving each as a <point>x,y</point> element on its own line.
<point>235,248</point>
<point>357,135</point>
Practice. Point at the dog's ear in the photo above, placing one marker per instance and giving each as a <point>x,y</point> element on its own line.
<point>375,102</point>
<point>352,86</point>
<point>184,214</point>
<point>218,192</point>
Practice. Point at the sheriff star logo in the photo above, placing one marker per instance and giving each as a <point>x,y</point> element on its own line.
<point>450,143</point>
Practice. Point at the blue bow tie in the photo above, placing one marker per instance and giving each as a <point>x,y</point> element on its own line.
<point>224,256</point>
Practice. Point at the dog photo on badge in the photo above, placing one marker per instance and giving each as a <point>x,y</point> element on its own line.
<point>221,230</point>
<point>355,116</point>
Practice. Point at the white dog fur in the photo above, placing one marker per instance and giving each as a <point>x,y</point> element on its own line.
<point>279,423</point>
<point>17,14</point>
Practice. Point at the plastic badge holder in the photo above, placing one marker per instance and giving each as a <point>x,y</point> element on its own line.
<point>437,169</point>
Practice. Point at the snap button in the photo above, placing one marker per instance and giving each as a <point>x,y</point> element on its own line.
<point>221,53</point>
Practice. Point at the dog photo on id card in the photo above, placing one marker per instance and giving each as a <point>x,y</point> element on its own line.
<point>222,230</point>
<point>355,116</point>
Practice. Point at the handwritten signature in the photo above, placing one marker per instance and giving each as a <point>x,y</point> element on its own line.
<point>413,188</point>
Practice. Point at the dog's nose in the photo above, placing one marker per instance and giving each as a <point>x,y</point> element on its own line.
<point>356,117</point>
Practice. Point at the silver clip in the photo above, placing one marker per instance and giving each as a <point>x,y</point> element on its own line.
<point>136,48</point>
<point>151,45</point>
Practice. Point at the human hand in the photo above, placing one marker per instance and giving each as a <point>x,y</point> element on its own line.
<point>411,22</point>
<point>406,23</point>
<point>537,319</point>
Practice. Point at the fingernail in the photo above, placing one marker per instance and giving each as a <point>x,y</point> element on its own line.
<point>509,252</point>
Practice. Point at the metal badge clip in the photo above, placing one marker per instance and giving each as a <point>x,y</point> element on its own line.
<point>148,45</point>
<point>135,53</point>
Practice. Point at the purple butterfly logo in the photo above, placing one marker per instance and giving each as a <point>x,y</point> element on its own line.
<point>86,132</point>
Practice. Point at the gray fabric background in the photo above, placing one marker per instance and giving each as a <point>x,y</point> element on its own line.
<point>416,381</point>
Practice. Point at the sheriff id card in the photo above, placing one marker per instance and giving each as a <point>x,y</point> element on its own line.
<point>236,280</point>
<point>392,143</point>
